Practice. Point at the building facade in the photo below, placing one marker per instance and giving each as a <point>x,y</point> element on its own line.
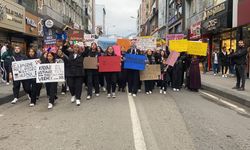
<point>100,20</point>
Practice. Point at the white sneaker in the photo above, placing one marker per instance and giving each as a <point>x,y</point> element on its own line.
<point>104,89</point>
<point>214,74</point>
<point>109,96</point>
<point>174,89</point>
<point>147,93</point>
<point>73,98</point>
<point>32,104</point>
<point>139,90</point>
<point>97,94</point>
<point>113,95</point>
<point>134,95</point>
<point>28,97</point>
<point>177,90</point>
<point>50,106</point>
<point>14,101</point>
<point>160,91</point>
<point>129,94</point>
<point>165,92</point>
<point>63,93</point>
<point>7,83</point>
<point>78,102</point>
<point>150,92</point>
<point>223,76</point>
<point>93,92</point>
<point>67,89</point>
<point>88,97</point>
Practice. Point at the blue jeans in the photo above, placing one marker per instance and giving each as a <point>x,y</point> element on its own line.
<point>216,68</point>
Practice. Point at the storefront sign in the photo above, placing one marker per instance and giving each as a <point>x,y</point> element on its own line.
<point>195,31</point>
<point>213,11</point>
<point>12,16</point>
<point>49,23</point>
<point>31,26</point>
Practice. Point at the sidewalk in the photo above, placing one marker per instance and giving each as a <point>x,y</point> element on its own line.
<point>223,87</point>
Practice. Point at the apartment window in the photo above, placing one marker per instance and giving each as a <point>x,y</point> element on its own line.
<point>29,4</point>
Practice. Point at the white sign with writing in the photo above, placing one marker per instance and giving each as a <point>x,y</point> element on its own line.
<point>145,43</point>
<point>50,73</point>
<point>89,38</point>
<point>23,70</point>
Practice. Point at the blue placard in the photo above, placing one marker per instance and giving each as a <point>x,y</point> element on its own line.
<point>135,62</point>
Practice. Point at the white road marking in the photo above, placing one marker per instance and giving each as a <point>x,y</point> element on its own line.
<point>139,141</point>
<point>233,106</point>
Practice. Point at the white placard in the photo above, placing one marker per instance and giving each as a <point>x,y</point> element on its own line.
<point>50,73</point>
<point>25,69</point>
<point>145,43</point>
<point>89,38</point>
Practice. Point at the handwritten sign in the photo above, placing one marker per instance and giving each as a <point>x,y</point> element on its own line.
<point>124,43</point>
<point>23,70</point>
<point>109,64</point>
<point>89,38</point>
<point>197,48</point>
<point>174,37</point>
<point>50,73</point>
<point>146,42</point>
<point>178,45</point>
<point>117,50</point>
<point>135,62</point>
<point>90,63</point>
<point>151,72</point>
<point>172,58</point>
<point>75,35</point>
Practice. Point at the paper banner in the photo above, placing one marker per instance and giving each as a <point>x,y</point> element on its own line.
<point>135,62</point>
<point>172,58</point>
<point>117,50</point>
<point>151,72</point>
<point>146,42</point>
<point>50,73</point>
<point>109,64</point>
<point>197,48</point>
<point>90,63</point>
<point>124,43</point>
<point>178,45</point>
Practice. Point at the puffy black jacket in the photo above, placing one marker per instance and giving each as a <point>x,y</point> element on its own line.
<point>74,66</point>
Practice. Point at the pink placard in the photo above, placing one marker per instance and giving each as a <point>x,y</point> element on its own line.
<point>172,58</point>
<point>117,50</point>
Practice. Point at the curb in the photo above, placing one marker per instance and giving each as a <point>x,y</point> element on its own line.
<point>229,95</point>
<point>9,98</point>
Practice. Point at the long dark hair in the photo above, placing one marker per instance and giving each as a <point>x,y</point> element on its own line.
<point>112,54</point>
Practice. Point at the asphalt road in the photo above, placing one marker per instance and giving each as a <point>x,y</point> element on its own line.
<point>176,121</point>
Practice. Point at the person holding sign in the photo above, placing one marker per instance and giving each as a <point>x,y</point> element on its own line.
<point>17,56</point>
<point>50,86</point>
<point>110,77</point>
<point>149,84</point>
<point>92,74</point>
<point>75,73</point>
<point>165,76</point>
<point>133,75</point>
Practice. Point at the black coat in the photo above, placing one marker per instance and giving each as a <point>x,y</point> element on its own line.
<point>224,59</point>
<point>240,56</point>
<point>74,66</point>
<point>130,51</point>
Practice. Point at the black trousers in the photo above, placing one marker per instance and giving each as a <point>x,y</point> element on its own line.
<point>149,85</point>
<point>6,73</point>
<point>16,87</point>
<point>35,90</point>
<point>133,80</point>
<point>64,86</point>
<point>164,84</point>
<point>75,86</point>
<point>122,79</point>
<point>52,88</point>
<point>177,78</point>
<point>92,79</point>
<point>101,79</point>
<point>111,78</point>
<point>240,74</point>
<point>224,69</point>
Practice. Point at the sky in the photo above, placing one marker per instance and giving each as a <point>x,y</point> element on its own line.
<point>118,16</point>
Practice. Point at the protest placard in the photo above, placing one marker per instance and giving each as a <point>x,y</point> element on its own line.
<point>90,63</point>
<point>109,64</point>
<point>146,42</point>
<point>178,45</point>
<point>151,72</point>
<point>23,70</point>
<point>124,43</point>
<point>50,73</point>
<point>117,50</point>
<point>89,38</point>
<point>105,42</point>
<point>197,48</point>
<point>174,37</point>
<point>172,58</point>
<point>75,35</point>
<point>135,62</point>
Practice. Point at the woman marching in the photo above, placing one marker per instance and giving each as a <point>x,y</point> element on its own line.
<point>74,73</point>
<point>110,77</point>
<point>92,74</point>
<point>35,88</point>
<point>149,84</point>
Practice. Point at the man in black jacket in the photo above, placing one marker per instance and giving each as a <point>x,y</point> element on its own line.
<point>239,57</point>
